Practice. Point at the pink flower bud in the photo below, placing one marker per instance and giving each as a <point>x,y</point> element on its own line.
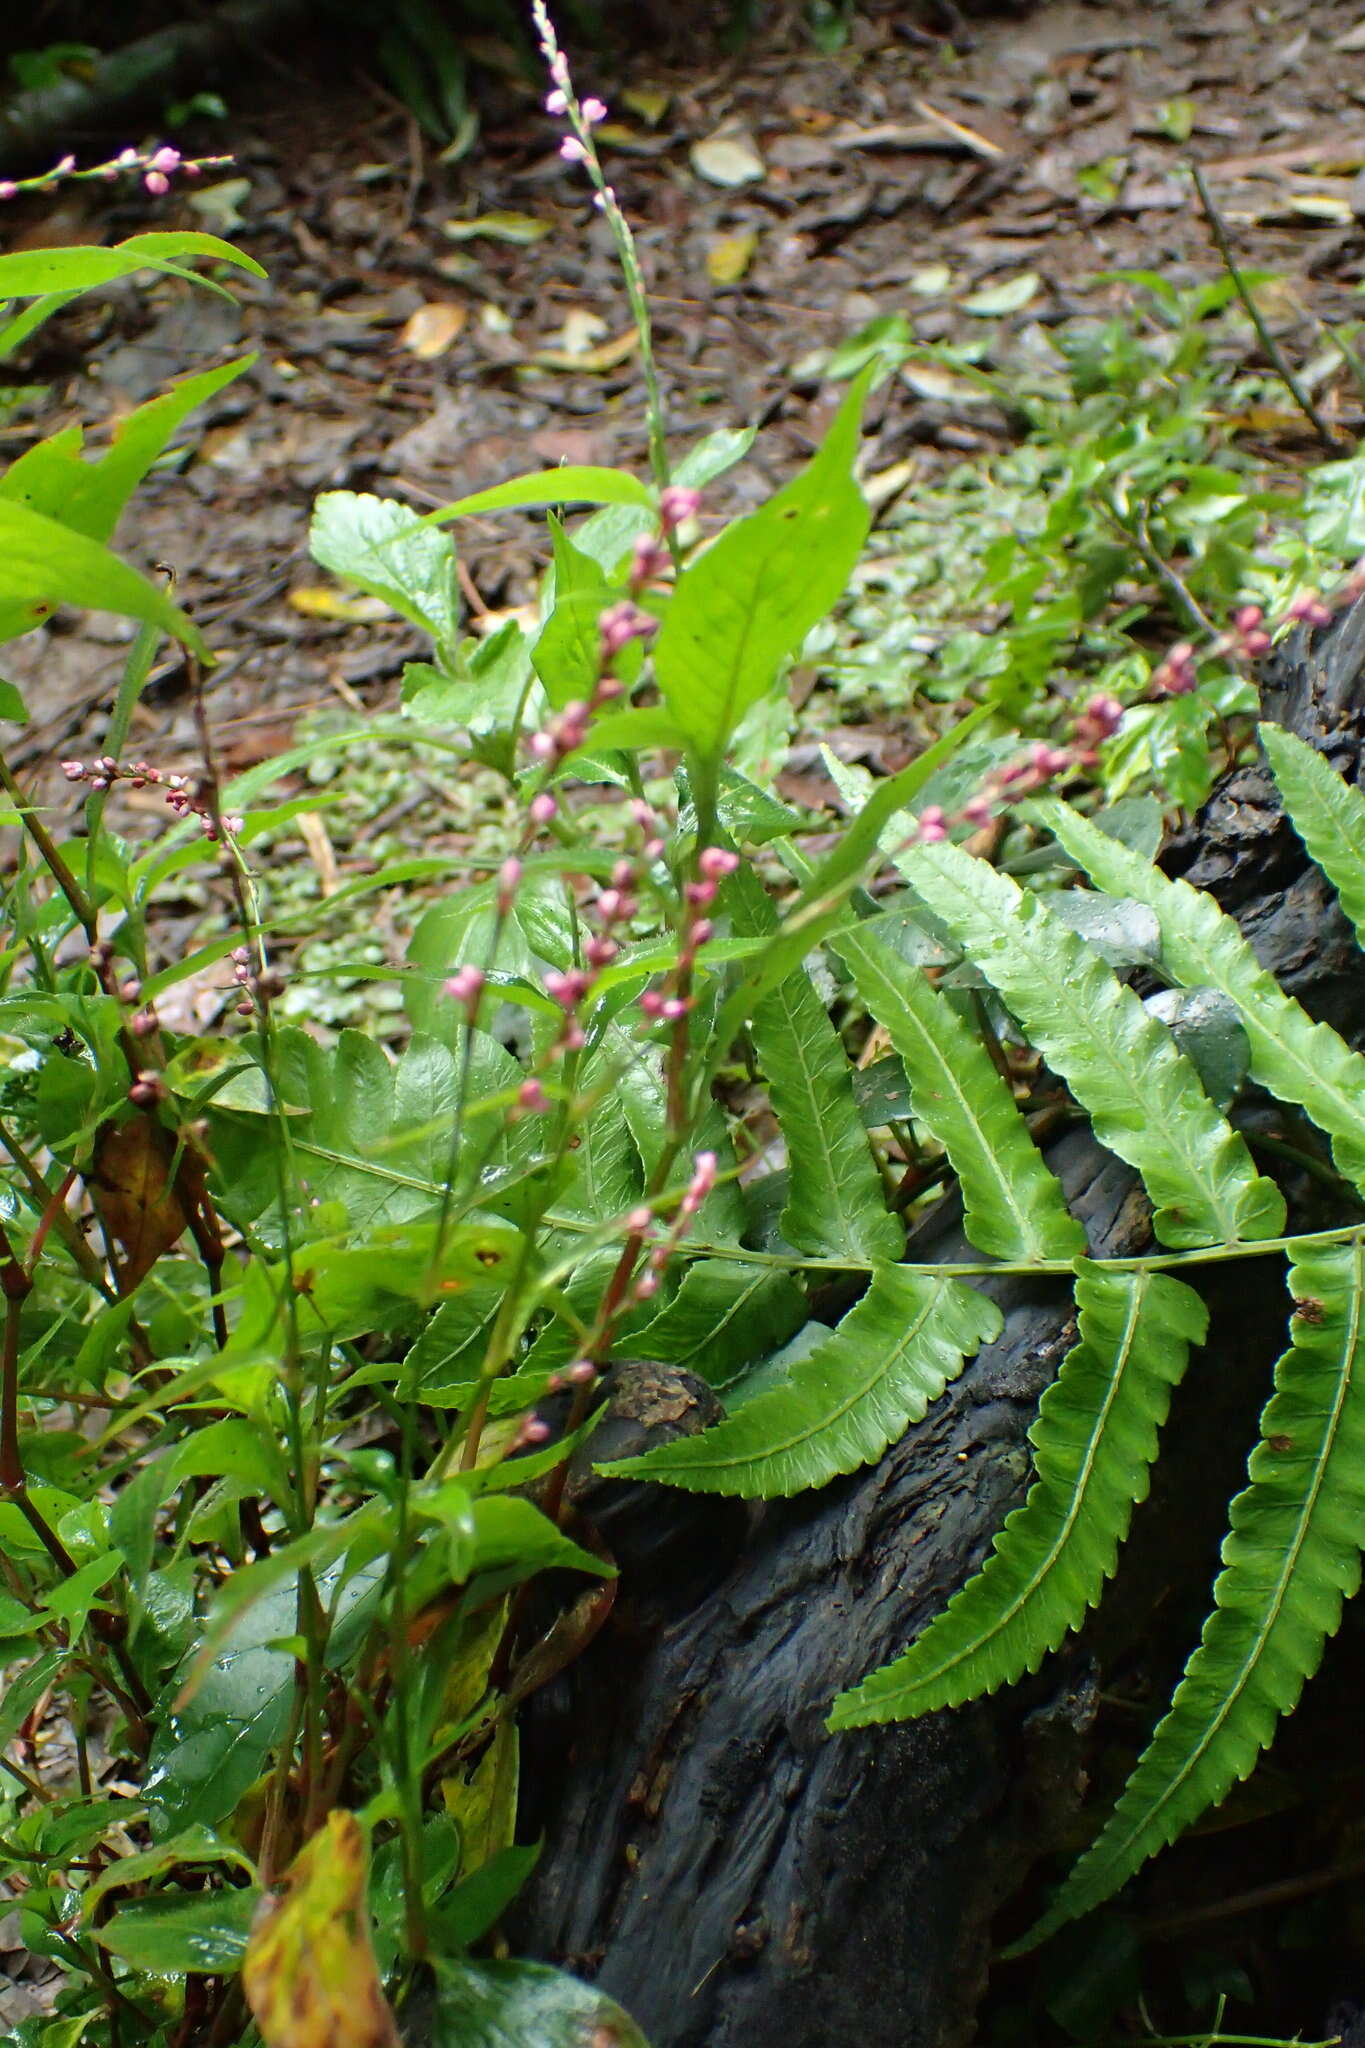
<point>642,815</point>
<point>593,111</point>
<point>509,878</point>
<point>464,986</point>
<point>607,691</point>
<point>646,1286</point>
<point>652,1003</point>
<point>674,1008</point>
<point>933,826</point>
<point>1104,714</point>
<point>677,502</point>
<point>621,623</point>
<point>127,158</point>
<point>649,559</point>
<point>572,150</point>
<point>639,1220</point>
<point>1309,608</point>
<point>541,746</point>
<point>74,771</point>
<point>581,1372</point>
<point>157,183</point>
<point>716,862</point>
<point>533,1431</point>
<point>532,1098</point>
<point>8,188</point>
<point>60,170</point>
<point>165,159</point>
<point>600,952</point>
<point>541,808</point>
<point>701,931</point>
<point>700,893</point>
<point>555,102</point>
<point>144,1024</point>
<point>1248,618</point>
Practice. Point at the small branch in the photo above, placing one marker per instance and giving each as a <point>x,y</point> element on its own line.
<point>1138,535</point>
<point>1330,439</point>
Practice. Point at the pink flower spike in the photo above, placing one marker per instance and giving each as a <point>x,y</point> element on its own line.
<point>593,111</point>
<point>572,150</point>
<point>157,182</point>
<point>555,102</point>
<point>678,502</point>
<point>541,808</point>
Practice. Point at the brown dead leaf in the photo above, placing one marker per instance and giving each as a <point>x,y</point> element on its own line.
<point>309,1972</point>
<point>130,1184</point>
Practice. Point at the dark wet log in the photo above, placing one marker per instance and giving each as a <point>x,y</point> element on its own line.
<point>182,57</point>
<point>712,1857</point>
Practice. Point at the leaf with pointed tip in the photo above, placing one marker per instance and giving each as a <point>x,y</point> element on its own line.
<point>1296,1059</point>
<point>1327,812</point>
<point>1291,1558</point>
<point>1144,1097</point>
<point>1014,1206</point>
<point>858,1391</point>
<point>1093,1443</point>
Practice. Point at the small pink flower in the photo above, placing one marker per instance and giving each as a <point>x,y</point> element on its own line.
<point>8,188</point>
<point>581,1372</point>
<point>165,159</point>
<point>933,826</point>
<point>1309,608</point>
<point>532,1098</point>
<point>464,986</point>
<point>533,1431</point>
<point>649,560</point>
<point>605,198</point>
<point>716,862</point>
<point>556,102</point>
<point>74,771</point>
<point>61,170</point>
<point>676,503</point>
<point>978,811</point>
<point>541,808</point>
<point>509,878</point>
<point>701,931</point>
<point>621,623</point>
<point>157,182</point>
<point>652,1003</point>
<point>127,158</point>
<point>593,111</point>
<point>572,150</point>
<point>637,1221</point>
<point>1104,714</point>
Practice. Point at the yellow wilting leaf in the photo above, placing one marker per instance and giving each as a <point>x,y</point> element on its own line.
<point>729,258</point>
<point>309,1972</point>
<point>130,1184</point>
<point>430,331</point>
<point>605,357</point>
<point>321,601</point>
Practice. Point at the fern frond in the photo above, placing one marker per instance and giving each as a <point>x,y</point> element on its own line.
<point>836,1205</point>
<point>1290,1559</point>
<point>1326,812</point>
<point>1014,1208</point>
<point>1296,1059</point>
<point>1144,1098</point>
<point>879,1371</point>
<point>1093,1442</point>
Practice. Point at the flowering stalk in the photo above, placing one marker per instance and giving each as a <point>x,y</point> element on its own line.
<point>580,147</point>
<point>156,167</point>
<point>181,794</point>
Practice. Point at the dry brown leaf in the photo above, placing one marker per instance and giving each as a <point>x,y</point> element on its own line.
<point>309,1972</point>
<point>130,1184</point>
<point>605,357</point>
<point>313,832</point>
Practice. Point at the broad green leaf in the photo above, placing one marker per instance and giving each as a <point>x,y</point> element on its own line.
<point>1326,811</point>
<point>56,479</point>
<point>1013,1206</point>
<point>168,1936</point>
<point>1291,1558</point>
<point>836,1206</point>
<point>234,1446</point>
<point>24,1686</point>
<point>309,1972</point>
<point>1296,1059</point>
<point>603,1177</point>
<point>1093,1442</point>
<point>521,2005</point>
<point>12,705</point>
<point>381,546</point>
<point>191,1847</point>
<point>44,564</point>
<point>746,604</point>
<point>607,536</point>
<point>567,653</point>
<point>1144,1097</point>
<point>32,273</point>
<point>880,1370</point>
<point>574,484</point>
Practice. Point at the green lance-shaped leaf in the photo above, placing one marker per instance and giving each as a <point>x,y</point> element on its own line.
<point>1144,1097</point>
<point>1013,1205</point>
<point>1327,813</point>
<point>879,1371</point>
<point>1293,1057</point>
<point>1093,1443</point>
<point>746,604</point>
<point>836,1207</point>
<point>1290,1559</point>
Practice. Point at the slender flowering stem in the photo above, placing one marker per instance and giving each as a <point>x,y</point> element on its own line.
<point>156,168</point>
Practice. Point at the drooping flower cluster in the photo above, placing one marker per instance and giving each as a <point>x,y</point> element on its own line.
<point>1250,636</point>
<point>182,793</point>
<point>156,168</point>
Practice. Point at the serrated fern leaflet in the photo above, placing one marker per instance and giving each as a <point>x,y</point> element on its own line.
<point>1293,1057</point>
<point>1144,1097</point>
<point>889,1359</point>
<point>1290,1559</point>
<point>1327,813</point>
<point>1093,1442</point>
<point>1014,1207</point>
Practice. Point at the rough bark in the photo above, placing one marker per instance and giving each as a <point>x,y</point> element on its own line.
<point>712,1857</point>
